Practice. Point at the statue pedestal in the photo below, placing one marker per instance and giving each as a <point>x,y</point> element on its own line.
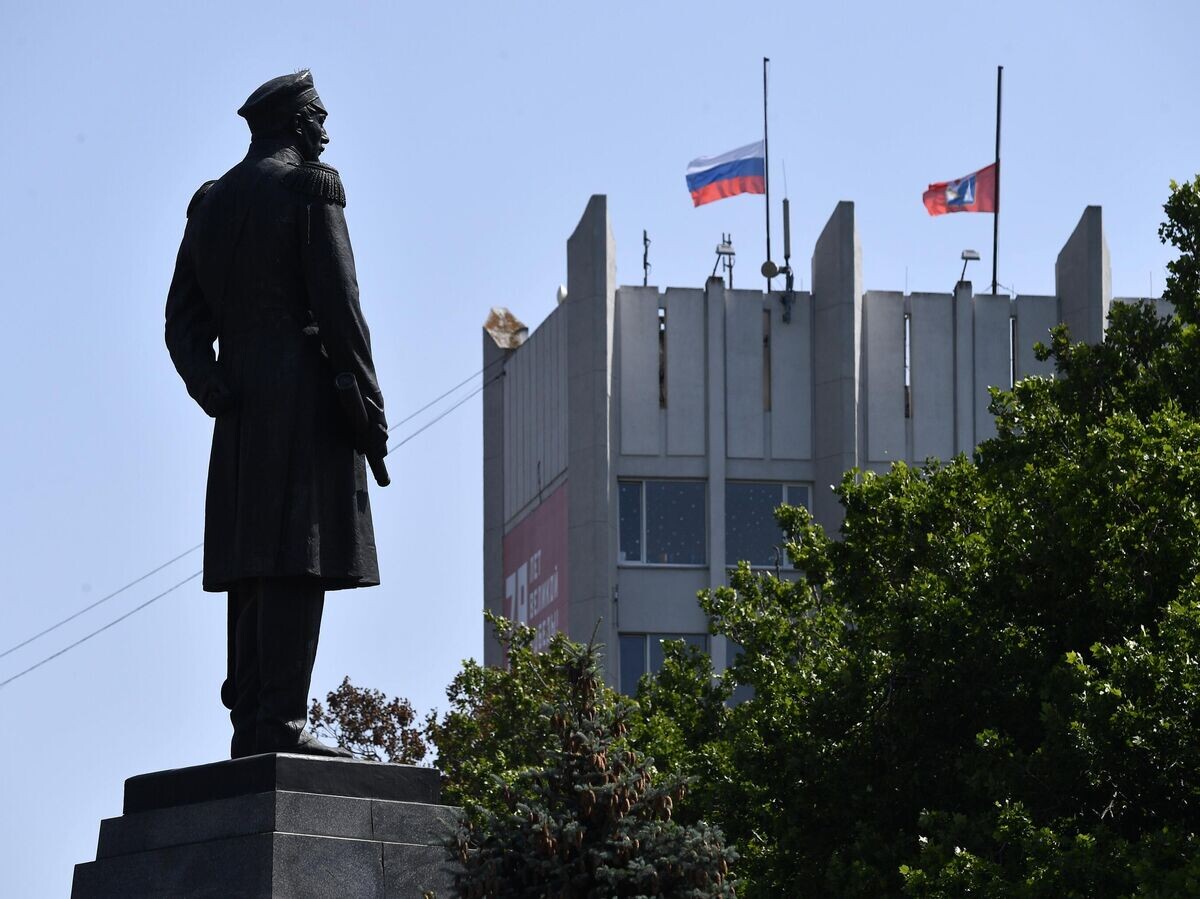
<point>275,825</point>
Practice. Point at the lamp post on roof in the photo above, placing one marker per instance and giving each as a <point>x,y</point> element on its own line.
<point>968,256</point>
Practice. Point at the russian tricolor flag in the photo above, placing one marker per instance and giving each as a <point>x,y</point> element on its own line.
<point>740,171</point>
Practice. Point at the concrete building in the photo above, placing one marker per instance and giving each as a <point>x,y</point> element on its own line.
<point>637,440</point>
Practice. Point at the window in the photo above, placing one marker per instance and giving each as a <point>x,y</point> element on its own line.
<point>643,654</point>
<point>742,692</point>
<point>662,522</point>
<point>630,498</point>
<point>751,532</point>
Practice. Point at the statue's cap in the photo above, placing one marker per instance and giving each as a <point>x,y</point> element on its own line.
<point>272,105</point>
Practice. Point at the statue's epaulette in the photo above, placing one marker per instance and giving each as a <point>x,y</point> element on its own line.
<point>316,179</point>
<point>198,196</point>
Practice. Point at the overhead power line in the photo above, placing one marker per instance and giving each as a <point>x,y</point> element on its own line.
<point>439,398</point>
<point>102,599</point>
<point>196,574</point>
<point>442,415</point>
<point>192,549</point>
<point>99,630</point>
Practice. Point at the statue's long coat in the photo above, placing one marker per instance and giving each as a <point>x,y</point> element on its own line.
<point>266,269</point>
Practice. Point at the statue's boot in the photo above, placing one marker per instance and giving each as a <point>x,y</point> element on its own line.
<point>289,623</point>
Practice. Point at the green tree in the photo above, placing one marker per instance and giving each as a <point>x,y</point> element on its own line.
<point>494,727</point>
<point>369,724</point>
<point>492,730</point>
<point>592,818</point>
<point>988,685</point>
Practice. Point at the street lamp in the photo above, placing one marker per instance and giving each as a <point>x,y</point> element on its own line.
<point>968,256</point>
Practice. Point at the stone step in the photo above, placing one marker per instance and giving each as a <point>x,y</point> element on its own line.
<point>276,826</point>
<point>281,771</point>
<point>271,866</point>
<point>283,812</point>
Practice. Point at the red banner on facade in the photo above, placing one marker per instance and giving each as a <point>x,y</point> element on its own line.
<point>535,569</point>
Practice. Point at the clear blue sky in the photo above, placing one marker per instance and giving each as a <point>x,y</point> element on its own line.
<point>470,137</point>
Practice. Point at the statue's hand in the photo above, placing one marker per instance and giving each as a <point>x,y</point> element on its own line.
<point>217,398</point>
<point>377,440</point>
<point>376,437</point>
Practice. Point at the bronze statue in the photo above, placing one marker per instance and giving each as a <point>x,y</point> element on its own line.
<point>265,270</point>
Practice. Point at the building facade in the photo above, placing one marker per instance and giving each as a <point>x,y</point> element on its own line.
<point>637,441</point>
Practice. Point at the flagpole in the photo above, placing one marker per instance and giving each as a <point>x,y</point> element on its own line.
<point>996,214</point>
<point>766,165</point>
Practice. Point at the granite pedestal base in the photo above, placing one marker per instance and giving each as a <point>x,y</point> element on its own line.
<point>275,825</point>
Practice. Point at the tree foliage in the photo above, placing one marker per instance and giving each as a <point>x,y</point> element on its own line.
<point>592,819</point>
<point>494,728</point>
<point>369,724</point>
<point>988,686</point>
<point>557,801</point>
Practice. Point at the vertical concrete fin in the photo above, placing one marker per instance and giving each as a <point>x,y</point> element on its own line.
<point>883,362</point>
<point>791,380</point>
<point>1083,279</point>
<point>687,356</point>
<point>743,384</point>
<point>591,256</point>
<point>964,368</point>
<point>1035,318</point>
<point>493,490</point>
<point>715,303</point>
<point>992,358</point>
<point>637,364</point>
<point>931,361</point>
<point>591,296</point>
<point>837,290</point>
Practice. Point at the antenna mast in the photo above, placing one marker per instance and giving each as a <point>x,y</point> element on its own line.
<point>789,292</point>
<point>645,258</point>
<point>766,166</point>
<point>996,214</point>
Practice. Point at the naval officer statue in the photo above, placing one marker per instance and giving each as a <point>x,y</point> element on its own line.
<point>266,272</point>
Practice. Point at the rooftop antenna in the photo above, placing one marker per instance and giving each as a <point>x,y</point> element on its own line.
<point>725,257</point>
<point>770,269</point>
<point>645,258</point>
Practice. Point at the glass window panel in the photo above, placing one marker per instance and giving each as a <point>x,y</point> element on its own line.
<point>633,662</point>
<point>700,641</point>
<point>751,532</point>
<point>631,521</point>
<point>799,495</point>
<point>675,522</point>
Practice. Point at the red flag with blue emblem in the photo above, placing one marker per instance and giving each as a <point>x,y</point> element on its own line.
<point>975,192</point>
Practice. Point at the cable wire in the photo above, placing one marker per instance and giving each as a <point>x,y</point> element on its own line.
<point>441,397</point>
<point>195,575</point>
<point>99,630</point>
<point>102,599</point>
<point>442,415</point>
<point>191,550</point>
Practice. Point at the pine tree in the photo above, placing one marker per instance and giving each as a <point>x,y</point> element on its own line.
<point>593,819</point>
